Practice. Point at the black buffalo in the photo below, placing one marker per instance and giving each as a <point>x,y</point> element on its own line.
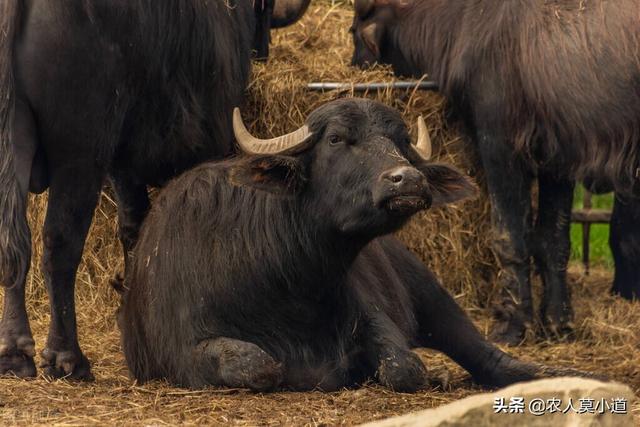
<point>277,273</point>
<point>548,91</point>
<point>135,90</point>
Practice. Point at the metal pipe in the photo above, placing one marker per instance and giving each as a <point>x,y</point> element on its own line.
<point>363,87</point>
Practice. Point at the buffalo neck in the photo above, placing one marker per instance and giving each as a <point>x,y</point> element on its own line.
<point>322,255</point>
<point>284,239</point>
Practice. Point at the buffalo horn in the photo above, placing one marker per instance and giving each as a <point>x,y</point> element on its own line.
<point>423,144</point>
<point>290,143</point>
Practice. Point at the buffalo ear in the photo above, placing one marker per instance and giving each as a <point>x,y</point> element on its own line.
<point>372,36</point>
<point>447,184</point>
<point>283,175</point>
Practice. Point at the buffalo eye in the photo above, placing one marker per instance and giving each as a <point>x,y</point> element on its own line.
<point>335,140</point>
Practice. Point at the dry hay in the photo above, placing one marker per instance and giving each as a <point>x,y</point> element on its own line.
<point>453,241</point>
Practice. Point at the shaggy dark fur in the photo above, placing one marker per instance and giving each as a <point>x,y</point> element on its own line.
<point>15,237</point>
<point>272,276</point>
<point>133,90</point>
<point>564,75</point>
<point>547,90</point>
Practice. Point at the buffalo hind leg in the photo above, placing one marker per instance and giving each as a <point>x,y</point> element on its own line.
<point>624,240</point>
<point>133,204</point>
<point>443,326</point>
<point>238,364</point>
<point>509,186</point>
<point>73,196</point>
<point>552,247</point>
<point>17,347</point>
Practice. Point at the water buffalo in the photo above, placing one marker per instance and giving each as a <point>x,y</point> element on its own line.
<point>546,90</point>
<point>277,271</point>
<point>136,91</point>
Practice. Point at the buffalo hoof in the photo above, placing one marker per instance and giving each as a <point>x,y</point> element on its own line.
<point>402,371</point>
<point>16,356</point>
<point>558,329</point>
<point>244,365</point>
<point>624,290</point>
<point>66,364</point>
<point>557,320</point>
<point>512,326</point>
<point>509,371</point>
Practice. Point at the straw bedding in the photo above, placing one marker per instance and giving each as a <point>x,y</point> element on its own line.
<point>453,241</point>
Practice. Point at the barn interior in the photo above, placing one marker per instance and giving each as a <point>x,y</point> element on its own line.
<point>453,241</point>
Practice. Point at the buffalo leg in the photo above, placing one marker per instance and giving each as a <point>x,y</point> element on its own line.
<point>624,240</point>
<point>133,204</point>
<point>386,346</point>
<point>443,326</point>
<point>234,363</point>
<point>17,347</point>
<point>263,9</point>
<point>73,196</point>
<point>552,247</point>
<point>509,186</point>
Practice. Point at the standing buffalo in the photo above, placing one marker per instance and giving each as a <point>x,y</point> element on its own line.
<point>136,91</point>
<point>275,273</point>
<point>548,90</point>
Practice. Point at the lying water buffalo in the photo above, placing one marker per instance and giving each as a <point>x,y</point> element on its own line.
<point>269,270</point>
<point>547,91</point>
<point>137,91</point>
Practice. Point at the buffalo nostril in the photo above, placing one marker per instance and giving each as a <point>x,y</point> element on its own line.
<point>395,178</point>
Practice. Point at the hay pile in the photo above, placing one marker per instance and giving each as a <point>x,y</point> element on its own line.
<point>453,241</point>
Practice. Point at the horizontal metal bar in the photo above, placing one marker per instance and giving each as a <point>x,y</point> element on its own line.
<point>600,216</point>
<point>363,87</point>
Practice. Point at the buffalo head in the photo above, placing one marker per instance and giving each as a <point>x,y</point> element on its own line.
<point>372,23</point>
<point>353,167</point>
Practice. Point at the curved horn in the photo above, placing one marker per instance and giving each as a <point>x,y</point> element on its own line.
<point>363,7</point>
<point>423,144</point>
<point>293,142</point>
